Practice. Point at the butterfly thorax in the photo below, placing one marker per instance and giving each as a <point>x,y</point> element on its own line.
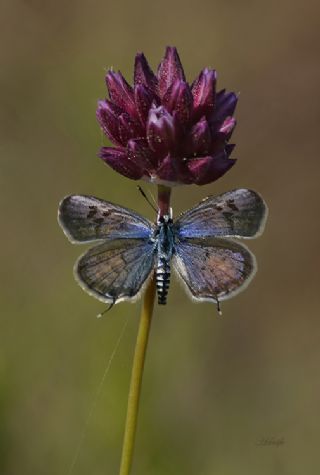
<point>165,249</point>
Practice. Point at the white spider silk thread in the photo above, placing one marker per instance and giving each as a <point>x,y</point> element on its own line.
<point>95,400</point>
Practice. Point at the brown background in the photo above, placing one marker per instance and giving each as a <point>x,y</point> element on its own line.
<point>214,388</point>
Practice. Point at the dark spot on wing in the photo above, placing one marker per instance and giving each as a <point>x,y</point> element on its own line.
<point>219,207</point>
<point>99,220</point>
<point>92,212</point>
<point>92,207</point>
<point>207,254</point>
<point>122,226</point>
<point>107,212</point>
<point>228,217</point>
<point>231,204</point>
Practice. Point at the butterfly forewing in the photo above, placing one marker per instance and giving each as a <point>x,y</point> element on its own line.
<point>116,271</point>
<point>86,218</point>
<point>238,213</point>
<point>214,269</point>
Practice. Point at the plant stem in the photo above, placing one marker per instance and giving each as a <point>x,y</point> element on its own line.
<point>136,378</point>
<point>164,193</point>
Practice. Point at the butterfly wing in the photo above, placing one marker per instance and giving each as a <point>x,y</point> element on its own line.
<point>214,269</point>
<point>239,213</point>
<point>116,270</point>
<point>86,218</point>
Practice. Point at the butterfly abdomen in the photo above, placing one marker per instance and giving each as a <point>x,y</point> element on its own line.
<point>162,280</point>
<point>164,253</point>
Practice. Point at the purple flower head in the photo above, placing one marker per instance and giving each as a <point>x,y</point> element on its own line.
<point>164,130</point>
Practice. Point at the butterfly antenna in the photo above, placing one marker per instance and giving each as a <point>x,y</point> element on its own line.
<point>153,199</point>
<point>147,199</point>
<point>107,309</point>
<point>218,307</point>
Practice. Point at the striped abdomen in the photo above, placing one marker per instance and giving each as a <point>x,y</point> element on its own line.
<point>163,279</point>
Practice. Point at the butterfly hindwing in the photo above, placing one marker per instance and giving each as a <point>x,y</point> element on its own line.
<point>214,269</point>
<point>238,213</point>
<point>86,218</point>
<point>115,271</point>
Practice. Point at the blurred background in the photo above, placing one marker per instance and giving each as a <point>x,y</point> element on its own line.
<point>237,394</point>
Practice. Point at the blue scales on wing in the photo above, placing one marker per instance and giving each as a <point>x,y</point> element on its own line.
<point>237,213</point>
<point>116,269</point>
<point>86,218</point>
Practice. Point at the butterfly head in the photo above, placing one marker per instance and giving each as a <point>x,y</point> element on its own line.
<point>165,219</point>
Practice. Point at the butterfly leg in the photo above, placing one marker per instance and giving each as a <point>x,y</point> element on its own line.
<point>106,310</point>
<point>218,306</point>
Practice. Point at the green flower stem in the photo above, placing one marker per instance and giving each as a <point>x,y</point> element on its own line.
<point>136,378</point>
<point>164,193</point>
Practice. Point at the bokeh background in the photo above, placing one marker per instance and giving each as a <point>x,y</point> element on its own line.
<point>218,393</point>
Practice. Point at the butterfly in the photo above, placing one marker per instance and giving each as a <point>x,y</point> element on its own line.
<point>130,248</point>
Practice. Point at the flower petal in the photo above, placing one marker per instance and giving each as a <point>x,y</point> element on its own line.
<point>167,172</point>
<point>140,153</point>
<point>225,105</point>
<point>143,98</point>
<point>227,127</point>
<point>203,91</point>
<point>161,130</point>
<point>170,70</point>
<point>120,92</point>
<point>199,139</point>
<point>128,128</point>
<point>229,148</point>
<point>208,169</point>
<point>178,98</point>
<point>222,135</point>
<point>119,161</point>
<point>143,74</point>
<point>108,115</point>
